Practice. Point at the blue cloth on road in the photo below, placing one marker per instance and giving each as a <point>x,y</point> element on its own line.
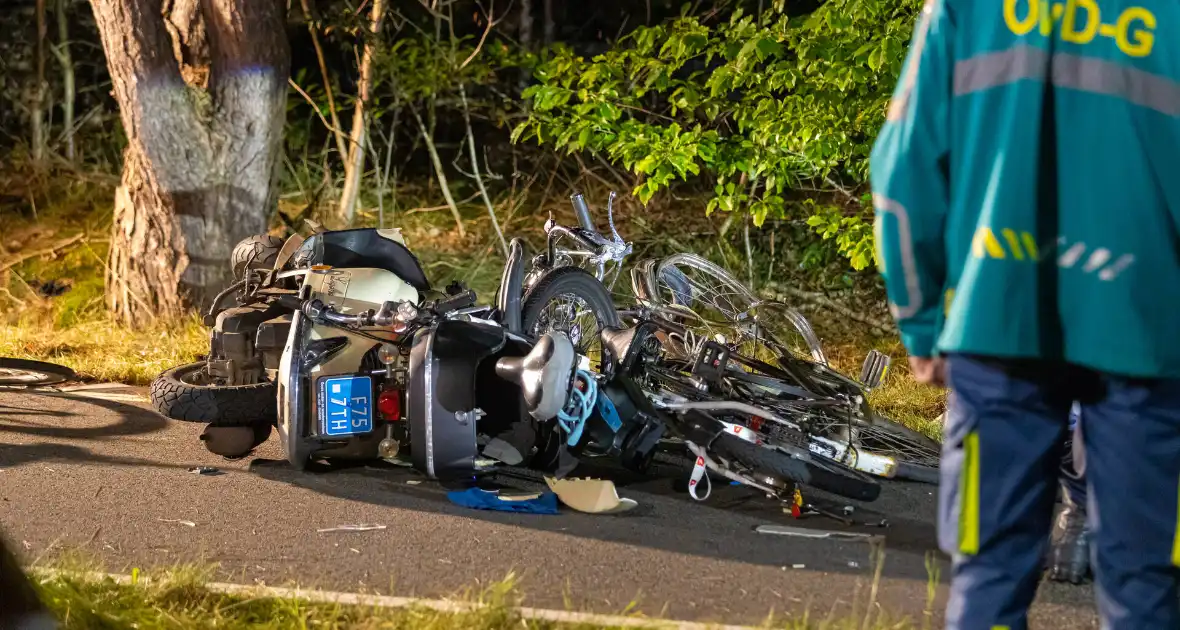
<point>1003,443</point>
<point>477,499</point>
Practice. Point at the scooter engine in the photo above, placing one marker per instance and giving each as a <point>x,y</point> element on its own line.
<point>617,428</point>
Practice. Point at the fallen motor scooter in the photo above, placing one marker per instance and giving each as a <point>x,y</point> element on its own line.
<point>371,371</point>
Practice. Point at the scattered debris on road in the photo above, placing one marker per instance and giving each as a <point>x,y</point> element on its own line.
<point>593,496</point>
<point>178,521</point>
<point>477,499</point>
<point>801,532</point>
<point>205,470</point>
<point>350,528</point>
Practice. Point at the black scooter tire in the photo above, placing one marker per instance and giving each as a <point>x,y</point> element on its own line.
<point>819,474</point>
<point>222,406</point>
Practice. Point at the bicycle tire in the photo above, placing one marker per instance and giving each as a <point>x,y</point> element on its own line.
<point>908,470</point>
<point>28,373</point>
<point>816,473</point>
<point>874,431</point>
<point>570,282</point>
<point>918,474</point>
<point>667,277</point>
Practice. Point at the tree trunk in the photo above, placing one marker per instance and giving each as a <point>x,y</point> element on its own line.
<point>67,77</point>
<point>550,23</point>
<point>525,34</point>
<point>355,166</point>
<point>200,165</point>
<point>38,108</point>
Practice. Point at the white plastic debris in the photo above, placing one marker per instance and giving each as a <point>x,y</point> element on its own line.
<point>351,528</point>
<point>177,521</point>
<point>801,532</point>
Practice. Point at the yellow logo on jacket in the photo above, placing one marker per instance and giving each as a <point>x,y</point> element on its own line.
<point>1080,22</point>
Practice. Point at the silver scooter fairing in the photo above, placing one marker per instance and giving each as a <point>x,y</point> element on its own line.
<point>329,378</point>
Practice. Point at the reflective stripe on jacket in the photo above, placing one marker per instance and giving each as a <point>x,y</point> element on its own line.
<point>1025,183</point>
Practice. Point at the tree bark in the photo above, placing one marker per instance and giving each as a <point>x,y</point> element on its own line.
<point>355,166</point>
<point>202,92</point>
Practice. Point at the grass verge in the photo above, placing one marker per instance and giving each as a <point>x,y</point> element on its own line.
<point>184,598</point>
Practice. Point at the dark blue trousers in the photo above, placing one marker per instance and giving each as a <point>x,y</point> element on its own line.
<point>1073,479</point>
<point>1003,444</point>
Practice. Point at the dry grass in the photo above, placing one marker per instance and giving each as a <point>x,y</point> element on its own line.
<point>98,349</point>
<point>180,598</point>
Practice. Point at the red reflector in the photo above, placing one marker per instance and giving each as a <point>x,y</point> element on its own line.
<point>756,423</point>
<point>389,403</point>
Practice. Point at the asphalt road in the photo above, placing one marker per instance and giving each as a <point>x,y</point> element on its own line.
<point>110,478</point>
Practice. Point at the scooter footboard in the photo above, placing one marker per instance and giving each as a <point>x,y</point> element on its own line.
<point>441,401</point>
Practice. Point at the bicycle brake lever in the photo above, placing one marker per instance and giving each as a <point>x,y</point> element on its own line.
<point>610,217</point>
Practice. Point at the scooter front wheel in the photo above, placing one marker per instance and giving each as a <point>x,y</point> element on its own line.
<point>186,393</point>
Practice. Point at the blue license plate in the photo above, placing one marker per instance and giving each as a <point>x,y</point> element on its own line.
<point>346,405</point>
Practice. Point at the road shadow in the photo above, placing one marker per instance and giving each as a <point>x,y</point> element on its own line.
<point>720,528</point>
<point>667,519</point>
<point>27,419</point>
<point>13,455</point>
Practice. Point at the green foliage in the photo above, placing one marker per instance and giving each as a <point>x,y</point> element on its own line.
<point>761,109</point>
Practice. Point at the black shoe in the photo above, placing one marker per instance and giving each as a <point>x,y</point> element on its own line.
<point>1069,557</point>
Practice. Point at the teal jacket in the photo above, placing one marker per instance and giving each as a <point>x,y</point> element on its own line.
<point>1026,183</point>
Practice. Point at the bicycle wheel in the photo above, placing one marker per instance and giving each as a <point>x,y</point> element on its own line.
<point>816,472</point>
<point>714,304</point>
<point>784,456</point>
<point>572,301</point>
<point>917,456</point>
<point>23,372</point>
<point>848,420</point>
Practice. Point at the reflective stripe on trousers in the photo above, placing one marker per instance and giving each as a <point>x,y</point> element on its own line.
<point>1003,443</point>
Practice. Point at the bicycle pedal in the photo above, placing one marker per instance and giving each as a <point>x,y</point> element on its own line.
<point>873,371</point>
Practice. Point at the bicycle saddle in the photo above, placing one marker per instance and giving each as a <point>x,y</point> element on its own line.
<point>545,374</point>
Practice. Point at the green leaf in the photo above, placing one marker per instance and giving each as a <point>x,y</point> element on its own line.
<point>768,48</point>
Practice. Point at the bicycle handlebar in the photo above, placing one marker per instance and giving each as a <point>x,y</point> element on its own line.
<point>600,248</point>
<point>391,313</point>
